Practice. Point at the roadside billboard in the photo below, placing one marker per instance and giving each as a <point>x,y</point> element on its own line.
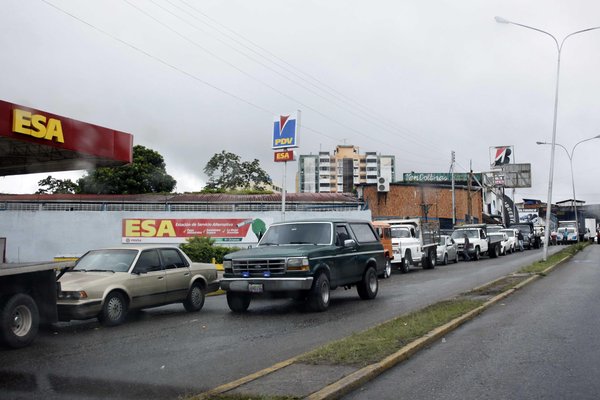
<point>148,230</point>
<point>501,156</point>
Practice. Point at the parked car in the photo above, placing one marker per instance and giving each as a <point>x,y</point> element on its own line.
<point>305,260</point>
<point>107,283</point>
<point>512,238</point>
<point>447,250</point>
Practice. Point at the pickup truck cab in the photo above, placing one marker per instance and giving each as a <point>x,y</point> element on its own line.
<point>305,260</point>
<point>414,242</point>
<point>480,242</point>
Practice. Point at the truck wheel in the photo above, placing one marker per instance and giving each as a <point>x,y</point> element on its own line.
<point>368,287</point>
<point>494,252</point>
<point>477,254</point>
<point>114,310</point>
<point>238,302</point>
<point>432,258</point>
<point>405,264</point>
<point>195,298</point>
<point>318,297</point>
<point>387,271</point>
<point>19,321</point>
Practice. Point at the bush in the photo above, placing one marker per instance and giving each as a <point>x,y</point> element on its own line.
<point>203,249</point>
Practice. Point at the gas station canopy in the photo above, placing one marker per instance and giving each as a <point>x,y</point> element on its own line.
<point>33,141</point>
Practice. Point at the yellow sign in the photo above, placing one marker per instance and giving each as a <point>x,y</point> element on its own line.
<point>148,228</point>
<point>37,126</point>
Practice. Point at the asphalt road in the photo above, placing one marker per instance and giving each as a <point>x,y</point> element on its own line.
<point>540,343</point>
<point>166,352</point>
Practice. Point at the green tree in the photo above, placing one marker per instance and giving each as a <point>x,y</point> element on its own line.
<point>226,171</point>
<point>146,174</point>
<point>52,185</point>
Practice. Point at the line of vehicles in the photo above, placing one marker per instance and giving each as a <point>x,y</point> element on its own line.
<point>303,260</point>
<point>415,242</point>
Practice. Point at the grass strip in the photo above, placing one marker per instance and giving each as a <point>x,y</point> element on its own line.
<point>499,286</point>
<point>374,344</point>
<point>539,266</point>
<point>239,396</point>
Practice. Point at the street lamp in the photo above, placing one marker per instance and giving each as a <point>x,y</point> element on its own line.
<point>501,20</point>
<point>570,155</point>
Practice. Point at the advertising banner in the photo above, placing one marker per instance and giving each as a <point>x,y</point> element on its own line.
<point>501,156</point>
<point>285,131</point>
<point>177,230</point>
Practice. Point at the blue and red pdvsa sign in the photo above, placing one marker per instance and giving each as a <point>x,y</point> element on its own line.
<point>285,131</point>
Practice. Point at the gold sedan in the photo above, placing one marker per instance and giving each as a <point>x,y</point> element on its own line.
<point>107,283</point>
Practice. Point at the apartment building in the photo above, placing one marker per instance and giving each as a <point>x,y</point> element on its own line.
<point>341,171</point>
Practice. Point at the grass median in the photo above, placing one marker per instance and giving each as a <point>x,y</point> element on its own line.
<point>374,344</point>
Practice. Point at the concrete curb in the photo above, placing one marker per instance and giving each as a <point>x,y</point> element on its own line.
<point>363,375</point>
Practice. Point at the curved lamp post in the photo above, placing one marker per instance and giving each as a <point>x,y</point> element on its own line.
<point>570,155</point>
<point>559,47</point>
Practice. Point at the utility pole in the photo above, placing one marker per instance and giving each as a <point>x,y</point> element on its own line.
<point>469,208</point>
<point>453,194</point>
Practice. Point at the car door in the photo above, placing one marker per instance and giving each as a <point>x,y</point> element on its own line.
<point>451,247</point>
<point>346,261</point>
<point>147,285</point>
<point>177,273</point>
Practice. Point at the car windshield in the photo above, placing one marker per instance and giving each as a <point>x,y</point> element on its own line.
<point>117,260</point>
<point>400,233</point>
<point>460,234</point>
<point>301,233</point>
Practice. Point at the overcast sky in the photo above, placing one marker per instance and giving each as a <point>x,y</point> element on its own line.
<point>416,79</point>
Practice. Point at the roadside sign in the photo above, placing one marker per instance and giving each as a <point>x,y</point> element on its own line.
<point>286,155</point>
<point>285,131</point>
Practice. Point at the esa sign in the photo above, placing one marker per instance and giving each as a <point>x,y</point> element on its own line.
<point>285,131</point>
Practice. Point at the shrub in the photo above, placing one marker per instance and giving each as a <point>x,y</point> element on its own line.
<point>203,249</point>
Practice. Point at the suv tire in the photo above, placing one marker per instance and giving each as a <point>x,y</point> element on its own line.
<point>318,296</point>
<point>369,285</point>
<point>238,302</point>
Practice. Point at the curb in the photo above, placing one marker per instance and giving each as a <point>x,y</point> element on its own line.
<point>364,375</point>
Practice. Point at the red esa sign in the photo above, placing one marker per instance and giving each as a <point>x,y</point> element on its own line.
<point>287,155</point>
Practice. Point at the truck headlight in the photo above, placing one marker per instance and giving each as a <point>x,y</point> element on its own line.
<point>298,264</point>
<point>227,265</point>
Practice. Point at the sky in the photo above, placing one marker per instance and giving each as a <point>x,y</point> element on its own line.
<point>414,79</point>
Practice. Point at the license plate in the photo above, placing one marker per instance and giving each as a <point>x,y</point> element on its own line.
<point>255,287</point>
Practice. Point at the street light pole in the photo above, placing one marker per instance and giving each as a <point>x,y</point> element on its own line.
<point>501,20</point>
<point>570,156</point>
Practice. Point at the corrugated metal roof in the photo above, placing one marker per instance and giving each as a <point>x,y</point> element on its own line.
<point>187,198</point>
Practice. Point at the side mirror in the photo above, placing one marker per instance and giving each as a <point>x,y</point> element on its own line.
<point>349,243</point>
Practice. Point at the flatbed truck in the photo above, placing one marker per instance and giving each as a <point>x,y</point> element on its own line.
<point>28,293</point>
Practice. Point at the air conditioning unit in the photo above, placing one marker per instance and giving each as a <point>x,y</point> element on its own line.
<point>383,185</point>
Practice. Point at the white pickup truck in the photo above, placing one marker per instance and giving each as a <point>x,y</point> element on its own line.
<point>480,242</point>
<point>414,242</point>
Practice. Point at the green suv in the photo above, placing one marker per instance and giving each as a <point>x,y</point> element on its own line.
<point>305,260</point>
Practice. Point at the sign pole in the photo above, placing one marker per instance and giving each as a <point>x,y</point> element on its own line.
<point>283,191</point>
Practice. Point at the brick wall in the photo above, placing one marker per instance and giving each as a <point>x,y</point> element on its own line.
<point>405,200</point>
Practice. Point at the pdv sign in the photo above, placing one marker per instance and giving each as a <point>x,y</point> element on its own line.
<point>285,130</point>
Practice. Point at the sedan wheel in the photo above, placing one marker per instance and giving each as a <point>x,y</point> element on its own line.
<point>114,309</point>
<point>195,298</point>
